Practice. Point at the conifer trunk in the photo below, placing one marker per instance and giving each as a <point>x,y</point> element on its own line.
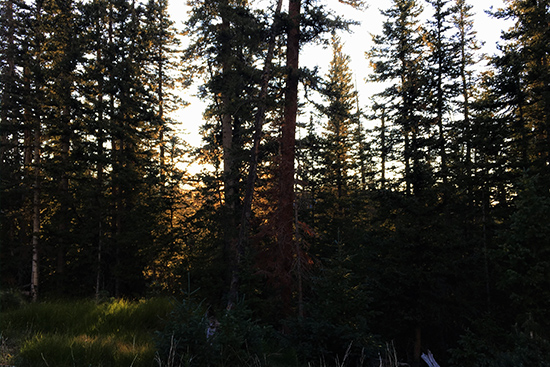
<point>36,216</point>
<point>229,177</point>
<point>64,192</point>
<point>33,120</point>
<point>288,143</point>
<point>417,345</point>
<point>99,180</point>
<point>252,174</point>
<point>384,148</point>
<point>8,76</point>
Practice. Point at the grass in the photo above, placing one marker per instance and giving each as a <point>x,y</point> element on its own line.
<point>117,333</point>
<point>82,333</point>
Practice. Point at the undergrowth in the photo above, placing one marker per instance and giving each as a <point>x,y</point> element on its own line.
<point>83,333</point>
<point>163,333</point>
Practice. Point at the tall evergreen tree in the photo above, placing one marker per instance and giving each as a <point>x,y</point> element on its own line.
<point>527,49</point>
<point>33,90</point>
<point>417,64</point>
<point>61,110</point>
<point>510,152</point>
<point>398,59</point>
<point>227,42</point>
<point>15,142</point>
<point>286,214</point>
<point>95,93</point>
<point>442,79</point>
<point>467,47</point>
<point>84,94</point>
<point>340,95</point>
<point>338,146</point>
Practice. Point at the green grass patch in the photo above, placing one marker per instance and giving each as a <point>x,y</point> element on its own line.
<point>84,333</point>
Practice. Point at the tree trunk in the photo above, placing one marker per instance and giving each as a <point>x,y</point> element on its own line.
<point>100,152</point>
<point>252,174</point>
<point>64,193</point>
<point>288,142</point>
<point>226,117</point>
<point>417,346</point>
<point>160,96</point>
<point>36,216</point>
<point>384,148</point>
<point>8,76</point>
<point>228,156</point>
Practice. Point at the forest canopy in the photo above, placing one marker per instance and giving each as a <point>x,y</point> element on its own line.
<point>419,219</point>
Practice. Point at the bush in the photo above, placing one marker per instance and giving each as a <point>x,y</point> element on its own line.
<point>489,345</point>
<point>233,338</point>
<point>317,339</point>
<point>336,327</point>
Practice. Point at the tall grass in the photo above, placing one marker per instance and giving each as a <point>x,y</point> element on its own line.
<point>120,333</point>
<point>83,333</point>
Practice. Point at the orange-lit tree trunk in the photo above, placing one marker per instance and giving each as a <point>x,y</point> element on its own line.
<point>286,228</point>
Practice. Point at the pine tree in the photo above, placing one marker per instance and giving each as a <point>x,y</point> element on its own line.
<point>526,49</point>
<point>133,129</point>
<point>33,90</point>
<point>15,145</point>
<point>441,61</point>
<point>398,59</point>
<point>61,123</point>
<point>338,146</point>
<point>227,42</point>
<point>235,87</point>
<point>95,93</point>
<point>85,89</point>
<point>414,227</point>
<point>161,46</point>
<point>340,95</point>
<point>517,100</point>
<point>467,47</point>
<point>286,214</point>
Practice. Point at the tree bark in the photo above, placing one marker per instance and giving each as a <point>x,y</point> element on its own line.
<point>100,141</point>
<point>36,216</point>
<point>288,143</point>
<point>8,75</point>
<point>417,345</point>
<point>33,119</point>
<point>252,174</point>
<point>228,156</point>
<point>64,194</point>
<point>384,148</point>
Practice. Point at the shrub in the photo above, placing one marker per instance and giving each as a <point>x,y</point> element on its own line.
<point>489,345</point>
<point>318,339</point>
<point>236,341</point>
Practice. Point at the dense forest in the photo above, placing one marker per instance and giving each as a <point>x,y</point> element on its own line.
<point>420,221</point>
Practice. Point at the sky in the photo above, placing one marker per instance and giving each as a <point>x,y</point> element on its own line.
<point>355,44</point>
